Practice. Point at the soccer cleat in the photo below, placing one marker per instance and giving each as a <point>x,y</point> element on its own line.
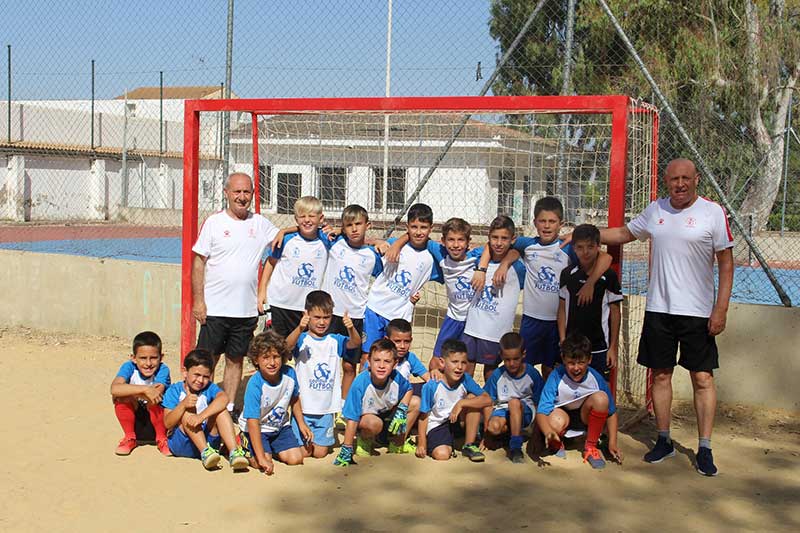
<point>163,447</point>
<point>238,460</point>
<point>364,447</point>
<point>406,447</point>
<point>473,453</point>
<point>126,446</point>
<point>517,456</point>
<point>705,462</point>
<point>660,451</point>
<point>594,457</point>
<point>345,457</point>
<point>210,457</point>
<point>340,422</point>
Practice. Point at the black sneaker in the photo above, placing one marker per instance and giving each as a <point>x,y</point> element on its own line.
<point>705,462</point>
<point>660,451</point>
<point>473,453</point>
<point>516,456</point>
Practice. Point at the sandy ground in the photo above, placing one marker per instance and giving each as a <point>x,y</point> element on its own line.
<point>60,473</point>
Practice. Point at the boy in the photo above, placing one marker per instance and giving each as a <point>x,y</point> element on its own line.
<point>444,403</point>
<point>576,396</point>
<point>195,411</point>
<point>295,268</point>
<point>598,321</point>
<point>391,294</point>
<point>137,391</point>
<point>493,309</point>
<point>271,399</point>
<point>377,403</point>
<point>317,354</point>
<point>515,389</point>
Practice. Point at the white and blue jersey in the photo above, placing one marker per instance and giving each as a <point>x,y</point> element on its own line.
<point>543,266</point>
<point>527,388</point>
<point>299,271</point>
<point>176,393</point>
<point>561,391</point>
<point>318,369</point>
<point>408,366</point>
<point>348,274</point>
<point>366,398</point>
<point>270,404</point>
<point>438,399</point>
<point>130,373</point>
<point>492,312</point>
<point>457,278</point>
<point>391,291</point>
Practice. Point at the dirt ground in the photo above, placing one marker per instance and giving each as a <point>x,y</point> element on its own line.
<point>60,472</point>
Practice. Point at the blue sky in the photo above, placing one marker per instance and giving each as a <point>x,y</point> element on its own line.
<point>282,48</point>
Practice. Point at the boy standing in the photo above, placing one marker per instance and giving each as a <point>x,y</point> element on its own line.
<point>598,321</point>
<point>137,391</point>
<point>317,354</point>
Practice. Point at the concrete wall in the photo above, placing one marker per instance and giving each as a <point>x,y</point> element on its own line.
<point>758,351</point>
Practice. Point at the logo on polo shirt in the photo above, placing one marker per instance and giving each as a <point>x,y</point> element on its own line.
<point>305,276</point>
<point>346,279</point>
<point>400,283</point>
<point>226,233</point>
<point>691,222</point>
<point>546,279</point>
<point>322,378</point>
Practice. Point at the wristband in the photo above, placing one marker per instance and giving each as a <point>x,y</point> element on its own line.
<point>480,269</point>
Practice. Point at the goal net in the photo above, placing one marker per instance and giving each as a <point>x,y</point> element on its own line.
<point>467,157</point>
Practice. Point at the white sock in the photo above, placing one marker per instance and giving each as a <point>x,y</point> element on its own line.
<point>230,407</point>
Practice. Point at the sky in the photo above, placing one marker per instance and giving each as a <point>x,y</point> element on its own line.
<point>281,48</point>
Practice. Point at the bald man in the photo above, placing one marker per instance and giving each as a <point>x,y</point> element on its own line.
<point>686,233</point>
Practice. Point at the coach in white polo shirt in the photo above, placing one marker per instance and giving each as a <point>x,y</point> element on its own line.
<point>225,278</point>
<point>686,233</point>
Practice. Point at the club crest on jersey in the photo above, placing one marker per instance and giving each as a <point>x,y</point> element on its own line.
<point>546,279</point>
<point>464,291</point>
<point>295,252</point>
<point>322,378</point>
<point>488,300</point>
<point>251,233</point>
<point>305,276</point>
<point>400,283</point>
<point>660,222</point>
<point>276,417</point>
<point>346,279</point>
<point>226,233</point>
<point>440,403</point>
<point>691,222</point>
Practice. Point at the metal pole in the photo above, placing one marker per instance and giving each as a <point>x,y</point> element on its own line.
<point>388,87</point>
<point>125,153</point>
<point>161,112</point>
<point>226,118</point>
<point>786,141</point>
<point>701,163</point>
<point>562,187</point>
<point>8,110</point>
<point>92,110</point>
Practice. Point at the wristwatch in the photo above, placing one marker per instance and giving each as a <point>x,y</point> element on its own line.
<point>480,269</point>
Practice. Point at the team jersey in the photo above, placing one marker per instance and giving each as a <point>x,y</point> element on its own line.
<point>390,293</point>
<point>233,249</point>
<point>130,373</point>
<point>268,403</point>
<point>408,366</point>
<point>543,266</point>
<point>561,391</point>
<point>456,276</point>
<point>591,320</point>
<point>176,393</point>
<point>684,242</point>
<point>367,398</point>
<point>438,399</point>
<point>347,276</point>
<point>319,375</point>
<point>527,388</point>
<point>299,270</point>
<point>492,311</point>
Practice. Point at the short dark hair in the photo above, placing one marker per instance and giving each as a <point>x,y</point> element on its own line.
<point>319,299</point>
<point>265,342</point>
<point>549,203</point>
<point>511,341</point>
<point>383,345</point>
<point>400,325</point>
<point>354,212</point>
<point>502,222</point>
<point>451,346</point>
<point>421,212</point>
<point>586,232</point>
<point>456,225</point>
<point>576,346</point>
<point>199,357</point>
<point>146,338</point>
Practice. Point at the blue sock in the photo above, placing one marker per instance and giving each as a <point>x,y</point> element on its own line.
<point>664,433</point>
<point>704,443</point>
<point>515,443</point>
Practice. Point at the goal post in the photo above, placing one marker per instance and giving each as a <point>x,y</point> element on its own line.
<point>467,156</point>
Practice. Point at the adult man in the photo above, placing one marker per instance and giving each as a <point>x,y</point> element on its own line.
<point>686,232</point>
<point>225,278</point>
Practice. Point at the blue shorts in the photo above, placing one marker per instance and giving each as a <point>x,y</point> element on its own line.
<point>320,425</point>
<point>527,415</point>
<point>275,443</point>
<point>443,435</point>
<point>451,329</point>
<point>482,351</point>
<point>599,363</point>
<point>541,341</point>
<point>374,328</point>
<point>181,445</point>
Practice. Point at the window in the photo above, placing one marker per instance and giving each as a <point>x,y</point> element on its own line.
<point>505,193</point>
<point>332,187</point>
<point>264,185</point>
<point>289,187</point>
<point>395,189</point>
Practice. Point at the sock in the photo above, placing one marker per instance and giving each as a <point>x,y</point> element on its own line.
<point>230,407</point>
<point>704,443</point>
<point>515,443</point>
<point>597,419</point>
<point>157,418</point>
<point>665,434</point>
<point>127,418</point>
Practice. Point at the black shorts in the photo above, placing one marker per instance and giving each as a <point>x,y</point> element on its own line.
<point>575,422</point>
<point>352,356</point>
<point>662,334</point>
<point>227,335</point>
<point>443,435</point>
<point>284,321</point>
<point>142,425</point>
